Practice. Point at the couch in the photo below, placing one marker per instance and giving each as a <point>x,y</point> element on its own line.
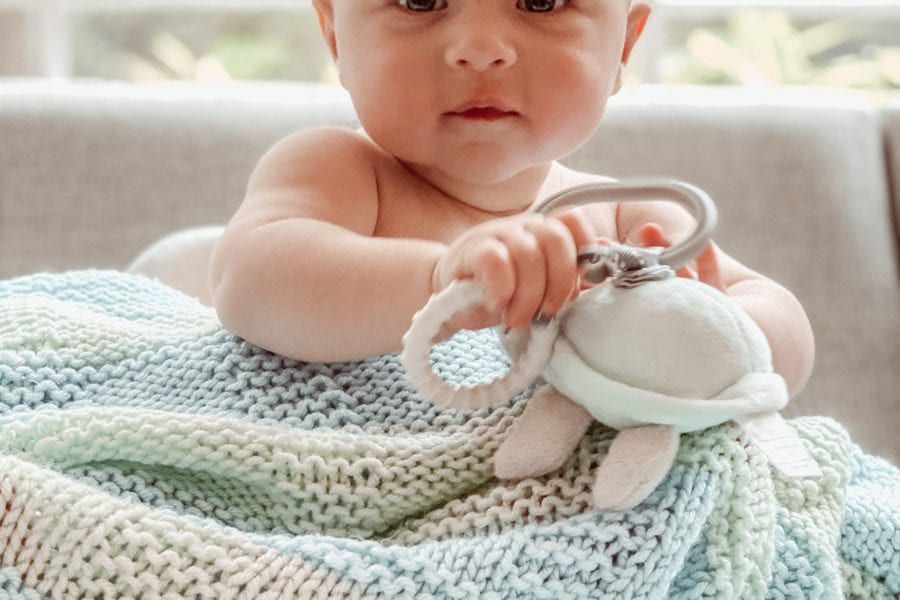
<point>807,182</point>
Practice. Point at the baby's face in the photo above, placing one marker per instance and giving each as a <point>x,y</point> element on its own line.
<point>480,90</point>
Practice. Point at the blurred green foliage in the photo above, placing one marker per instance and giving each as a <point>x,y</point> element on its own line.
<point>197,45</point>
<point>747,47</point>
<point>766,47</point>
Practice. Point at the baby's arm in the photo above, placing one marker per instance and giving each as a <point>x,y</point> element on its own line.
<point>775,309</point>
<point>297,270</point>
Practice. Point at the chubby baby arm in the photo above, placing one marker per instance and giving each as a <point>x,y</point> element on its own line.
<point>774,308</point>
<point>297,270</point>
<point>301,271</point>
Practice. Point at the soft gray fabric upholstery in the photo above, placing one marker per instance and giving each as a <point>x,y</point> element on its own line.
<point>89,175</point>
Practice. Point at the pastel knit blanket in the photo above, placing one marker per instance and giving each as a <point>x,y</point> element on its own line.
<point>145,452</point>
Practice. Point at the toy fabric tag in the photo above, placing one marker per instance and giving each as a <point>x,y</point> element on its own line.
<point>781,444</point>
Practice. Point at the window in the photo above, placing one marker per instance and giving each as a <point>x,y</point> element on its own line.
<point>141,40</point>
<point>846,43</point>
<point>850,43</point>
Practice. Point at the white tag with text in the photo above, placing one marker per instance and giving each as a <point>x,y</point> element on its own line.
<point>781,444</point>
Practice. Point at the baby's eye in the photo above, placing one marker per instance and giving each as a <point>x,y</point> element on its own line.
<point>539,5</point>
<point>423,5</point>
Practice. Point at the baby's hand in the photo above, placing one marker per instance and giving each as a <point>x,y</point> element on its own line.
<point>705,268</point>
<point>527,263</point>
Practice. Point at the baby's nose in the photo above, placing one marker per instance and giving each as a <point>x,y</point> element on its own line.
<point>480,49</point>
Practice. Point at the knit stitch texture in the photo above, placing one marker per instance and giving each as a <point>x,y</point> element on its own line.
<point>147,453</point>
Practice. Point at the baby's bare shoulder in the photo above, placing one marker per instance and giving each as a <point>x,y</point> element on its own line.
<point>321,173</point>
<point>317,154</point>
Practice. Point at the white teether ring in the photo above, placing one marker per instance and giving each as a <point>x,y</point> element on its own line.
<point>456,297</point>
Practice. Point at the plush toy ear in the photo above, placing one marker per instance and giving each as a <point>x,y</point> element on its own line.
<point>637,461</point>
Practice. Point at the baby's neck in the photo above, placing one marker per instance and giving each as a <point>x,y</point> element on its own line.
<point>511,196</point>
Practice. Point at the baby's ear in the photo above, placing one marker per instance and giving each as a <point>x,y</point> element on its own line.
<point>634,26</point>
<point>325,12</point>
<point>637,19</point>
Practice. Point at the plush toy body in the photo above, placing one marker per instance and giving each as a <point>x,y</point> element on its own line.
<point>620,358</point>
<point>644,352</point>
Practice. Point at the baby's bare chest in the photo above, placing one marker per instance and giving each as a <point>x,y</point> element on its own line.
<point>410,208</point>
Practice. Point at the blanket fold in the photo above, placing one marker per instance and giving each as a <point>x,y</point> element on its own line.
<point>146,452</point>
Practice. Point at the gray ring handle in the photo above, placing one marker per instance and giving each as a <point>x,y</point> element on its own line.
<point>693,199</point>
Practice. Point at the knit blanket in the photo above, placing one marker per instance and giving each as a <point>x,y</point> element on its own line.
<point>145,452</point>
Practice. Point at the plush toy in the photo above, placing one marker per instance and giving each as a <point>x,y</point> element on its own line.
<point>644,352</point>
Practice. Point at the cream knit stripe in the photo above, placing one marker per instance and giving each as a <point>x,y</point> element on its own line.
<point>639,544</point>
<point>544,557</point>
<point>88,330</point>
<point>67,542</point>
<point>625,553</point>
<point>566,493</point>
<point>331,482</point>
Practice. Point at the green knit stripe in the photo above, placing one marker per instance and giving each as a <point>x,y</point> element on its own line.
<point>100,546</point>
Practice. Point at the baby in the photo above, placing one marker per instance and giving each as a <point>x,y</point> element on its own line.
<point>465,105</point>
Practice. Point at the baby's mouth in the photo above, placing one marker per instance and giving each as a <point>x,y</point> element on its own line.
<point>484,113</point>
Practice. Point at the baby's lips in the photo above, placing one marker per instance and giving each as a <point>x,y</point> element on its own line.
<point>486,113</point>
<point>483,103</point>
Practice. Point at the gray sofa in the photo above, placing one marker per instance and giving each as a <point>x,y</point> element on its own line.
<point>91,173</point>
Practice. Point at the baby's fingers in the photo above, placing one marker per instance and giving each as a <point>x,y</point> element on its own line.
<point>530,266</point>
<point>490,262</point>
<point>708,268</point>
<point>578,225</point>
<point>556,239</point>
<point>650,235</point>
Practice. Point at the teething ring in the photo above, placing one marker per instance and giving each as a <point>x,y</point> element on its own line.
<point>456,297</point>
<point>463,294</point>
